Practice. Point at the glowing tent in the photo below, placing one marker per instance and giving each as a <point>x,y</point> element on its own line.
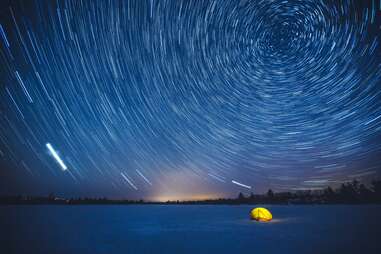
<point>261,214</point>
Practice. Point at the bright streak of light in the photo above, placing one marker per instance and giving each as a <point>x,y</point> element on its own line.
<point>241,184</point>
<point>145,179</point>
<point>129,181</point>
<point>56,156</point>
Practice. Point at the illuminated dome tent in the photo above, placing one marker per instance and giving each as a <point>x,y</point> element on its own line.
<point>261,214</point>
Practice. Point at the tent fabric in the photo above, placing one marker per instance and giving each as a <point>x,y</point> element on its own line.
<point>261,214</point>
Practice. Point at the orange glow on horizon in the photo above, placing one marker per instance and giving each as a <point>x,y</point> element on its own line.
<point>180,197</point>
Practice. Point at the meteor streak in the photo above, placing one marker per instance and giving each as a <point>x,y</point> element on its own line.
<point>241,184</point>
<point>56,156</point>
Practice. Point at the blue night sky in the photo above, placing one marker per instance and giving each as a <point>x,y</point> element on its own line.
<point>173,99</point>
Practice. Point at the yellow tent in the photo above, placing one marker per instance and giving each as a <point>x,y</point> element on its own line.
<point>261,214</point>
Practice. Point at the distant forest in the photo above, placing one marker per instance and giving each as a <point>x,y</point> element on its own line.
<point>348,193</point>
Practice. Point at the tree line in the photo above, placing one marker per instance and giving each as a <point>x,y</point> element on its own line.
<point>348,193</point>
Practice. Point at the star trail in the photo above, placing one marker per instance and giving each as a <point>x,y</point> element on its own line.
<point>185,99</point>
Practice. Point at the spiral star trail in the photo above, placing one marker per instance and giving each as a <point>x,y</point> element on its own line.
<point>182,99</point>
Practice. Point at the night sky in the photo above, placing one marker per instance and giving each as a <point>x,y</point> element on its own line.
<point>173,99</point>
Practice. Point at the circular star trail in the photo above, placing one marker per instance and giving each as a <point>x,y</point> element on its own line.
<point>188,98</point>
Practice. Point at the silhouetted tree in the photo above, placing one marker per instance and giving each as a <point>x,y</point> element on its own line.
<point>241,197</point>
<point>252,197</point>
<point>376,187</point>
<point>348,192</point>
<point>51,196</point>
<point>270,194</point>
<point>364,194</point>
<point>329,195</point>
